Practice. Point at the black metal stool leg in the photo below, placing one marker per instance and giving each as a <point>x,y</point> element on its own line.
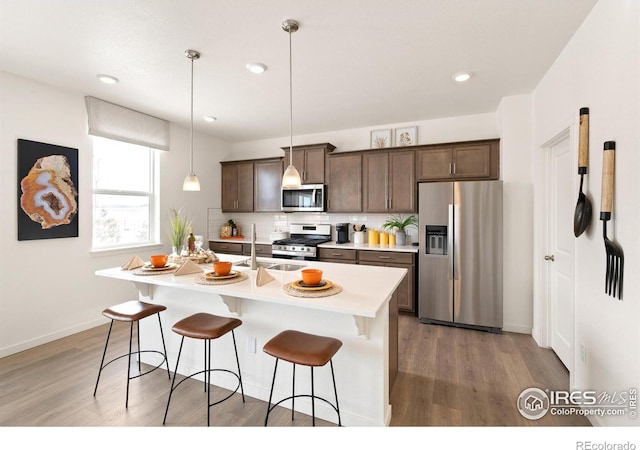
<point>206,382</point>
<point>208,377</point>
<point>138,337</point>
<point>235,349</point>
<point>313,401</point>
<point>126,404</point>
<point>335,391</point>
<point>173,382</point>
<point>103,355</point>
<point>293,392</point>
<point>273,382</point>
<point>164,347</point>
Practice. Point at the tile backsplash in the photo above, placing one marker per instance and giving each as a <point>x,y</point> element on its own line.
<point>267,223</point>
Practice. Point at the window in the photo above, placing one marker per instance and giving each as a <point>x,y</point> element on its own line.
<point>124,194</point>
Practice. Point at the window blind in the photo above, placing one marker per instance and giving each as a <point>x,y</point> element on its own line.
<point>116,122</point>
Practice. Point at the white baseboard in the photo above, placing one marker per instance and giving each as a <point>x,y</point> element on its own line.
<point>26,345</point>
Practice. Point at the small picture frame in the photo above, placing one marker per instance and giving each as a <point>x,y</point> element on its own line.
<point>406,136</point>
<point>381,138</point>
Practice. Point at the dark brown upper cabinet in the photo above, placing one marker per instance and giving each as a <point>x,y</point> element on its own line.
<point>237,186</point>
<point>475,160</point>
<point>344,182</point>
<point>388,181</point>
<point>310,161</point>
<point>267,185</point>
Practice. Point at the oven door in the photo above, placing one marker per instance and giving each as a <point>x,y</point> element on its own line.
<point>291,255</point>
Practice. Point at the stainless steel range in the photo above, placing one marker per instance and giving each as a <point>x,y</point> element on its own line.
<point>303,241</point>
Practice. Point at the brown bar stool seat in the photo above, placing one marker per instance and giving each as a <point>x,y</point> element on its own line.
<point>206,327</point>
<point>132,312</point>
<point>306,350</point>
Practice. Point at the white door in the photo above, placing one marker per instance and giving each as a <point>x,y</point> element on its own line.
<point>559,258</point>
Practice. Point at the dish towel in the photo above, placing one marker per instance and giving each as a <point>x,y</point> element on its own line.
<point>263,277</point>
<point>187,267</point>
<point>132,263</point>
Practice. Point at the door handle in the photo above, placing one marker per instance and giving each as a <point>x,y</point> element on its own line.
<point>549,258</point>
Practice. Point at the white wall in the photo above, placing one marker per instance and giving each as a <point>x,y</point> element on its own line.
<point>452,129</point>
<point>48,286</point>
<point>600,69</point>
<point>514,123</point>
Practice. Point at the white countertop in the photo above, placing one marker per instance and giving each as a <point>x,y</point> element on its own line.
<point>259,240</point>
<point>365,246</point>
<point>364,288</point>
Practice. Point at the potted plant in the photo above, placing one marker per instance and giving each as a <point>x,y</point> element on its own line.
<point>401,224</point>
<point>178,230</point>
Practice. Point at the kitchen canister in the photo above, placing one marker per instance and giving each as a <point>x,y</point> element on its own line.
<point>392,239</point>
<point>374,237</point>
<point>358,237</point>
<point>384,238</point>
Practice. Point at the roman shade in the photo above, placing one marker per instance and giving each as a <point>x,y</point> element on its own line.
<point>116,122</point>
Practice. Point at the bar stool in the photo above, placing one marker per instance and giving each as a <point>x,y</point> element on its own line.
<point>207,327</point>
<point>306,350</point>
<point>132,312</point>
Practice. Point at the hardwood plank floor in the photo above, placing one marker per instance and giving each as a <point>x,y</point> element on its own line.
<point>447,377</point>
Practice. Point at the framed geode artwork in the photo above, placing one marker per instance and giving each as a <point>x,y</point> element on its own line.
<point>47,195</point>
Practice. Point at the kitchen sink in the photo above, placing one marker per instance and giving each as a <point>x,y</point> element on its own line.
<point>271,266</point>
<point>286,267</point>
<point>247,263</point>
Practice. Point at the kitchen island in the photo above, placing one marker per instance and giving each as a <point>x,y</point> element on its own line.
<point>363,316</point>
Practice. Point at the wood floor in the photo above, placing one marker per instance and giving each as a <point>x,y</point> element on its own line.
<point>447,377</point>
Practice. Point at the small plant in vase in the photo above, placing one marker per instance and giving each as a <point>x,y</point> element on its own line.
<point>178,230</point>
<point>400,224</point>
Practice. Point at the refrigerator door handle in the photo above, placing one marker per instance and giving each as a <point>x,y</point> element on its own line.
<point>450,244</point>
<point>456,242</point>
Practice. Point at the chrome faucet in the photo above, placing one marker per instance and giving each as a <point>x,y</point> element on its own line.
<point>254,264</point>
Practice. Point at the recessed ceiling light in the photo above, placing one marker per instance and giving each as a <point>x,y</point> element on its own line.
<point>107,79</point>
<point>256,67</point>
<point>461,77</point>
<point>210,118</point>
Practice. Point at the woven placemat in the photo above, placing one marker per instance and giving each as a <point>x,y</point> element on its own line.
<point>142,271</point>
<point>291,290</point>
<point>204,280</point>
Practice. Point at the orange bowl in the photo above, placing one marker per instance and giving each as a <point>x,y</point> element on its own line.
<point>311,277</point>
<point>222,267</point>
<point>159,260</point>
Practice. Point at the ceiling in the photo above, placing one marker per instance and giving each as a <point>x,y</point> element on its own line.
<point>356,63</point>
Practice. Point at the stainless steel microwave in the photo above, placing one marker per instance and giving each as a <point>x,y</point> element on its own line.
<point>308,197</point>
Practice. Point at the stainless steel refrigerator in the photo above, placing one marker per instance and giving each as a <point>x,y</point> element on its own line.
<point>460,264</point>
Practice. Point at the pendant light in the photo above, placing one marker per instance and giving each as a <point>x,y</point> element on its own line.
<point>291,177</point>
<point>191,182</point>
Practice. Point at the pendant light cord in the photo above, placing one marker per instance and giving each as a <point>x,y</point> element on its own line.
<point>191,140</point>
<point>290,103</point>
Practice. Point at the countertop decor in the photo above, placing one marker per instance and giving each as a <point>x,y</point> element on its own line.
<point>178,227</point>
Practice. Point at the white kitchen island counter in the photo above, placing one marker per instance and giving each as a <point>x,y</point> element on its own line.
<point>363,316</point>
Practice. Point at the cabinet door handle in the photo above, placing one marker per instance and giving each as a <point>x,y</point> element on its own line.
<point>384,257</point>
<point>454,168</point>
<point>450,172</point>
<point>336,254</point>
<point>390,203</point>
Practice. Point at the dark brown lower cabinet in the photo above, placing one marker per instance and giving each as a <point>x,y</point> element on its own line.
<point>404,260</point>
<point>261,250</point>
<point>231,248</point>
<point>406,290</point>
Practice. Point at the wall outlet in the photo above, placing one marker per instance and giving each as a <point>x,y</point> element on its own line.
<point>251,344</point>
<point>583,353</point>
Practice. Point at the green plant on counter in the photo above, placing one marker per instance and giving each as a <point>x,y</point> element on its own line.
<point>178,227</point>
<point>400,223</point>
